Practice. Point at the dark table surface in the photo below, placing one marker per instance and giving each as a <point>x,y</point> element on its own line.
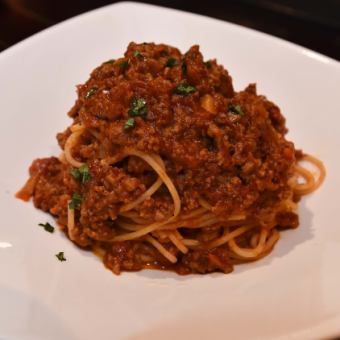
<point>313,24</point>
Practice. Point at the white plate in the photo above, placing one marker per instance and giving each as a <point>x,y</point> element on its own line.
<point>293,293</point>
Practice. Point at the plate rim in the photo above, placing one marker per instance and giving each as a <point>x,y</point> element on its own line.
<point>73,20</point>
<point>326,61</point>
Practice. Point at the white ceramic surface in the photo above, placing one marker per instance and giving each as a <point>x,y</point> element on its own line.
<point>292,294</point>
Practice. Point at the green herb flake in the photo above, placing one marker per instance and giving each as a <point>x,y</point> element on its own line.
<point>111,61</point>
<point>82,173</point>
<point>60,256</point>
<point>138,107</point>
<point>47,227</point>
<point>171,62</point>
<point>91,92</point>
<point>123,65</point>
<point>184,89</point>
<point>130,123</point>
<point>75,201</point>
<point>137,54</point>
<point>236,109</point>
<point>208,64</point>
<point>75,173</point>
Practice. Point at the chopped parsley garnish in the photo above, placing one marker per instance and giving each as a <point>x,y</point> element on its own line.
<point>123,65</point>
<point>82,173</point>
<point>208,64</point>
<point>60,256</point>
<point>47,227</point>
<point>138,107</point>
<point>130,123</point>
<point>184,89</point>
<point>236,109</point>
<point>171,62</point>
<point>111,61</point>
<point>137,54</point>
<point>91,92</point>
<point>75,201</point>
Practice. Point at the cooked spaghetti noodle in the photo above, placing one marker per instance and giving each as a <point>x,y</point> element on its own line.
<point>166,166</point>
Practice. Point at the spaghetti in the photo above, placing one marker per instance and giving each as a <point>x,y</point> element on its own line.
<point>167,167</point>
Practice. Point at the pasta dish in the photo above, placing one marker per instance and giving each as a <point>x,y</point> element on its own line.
<point>166,166</point>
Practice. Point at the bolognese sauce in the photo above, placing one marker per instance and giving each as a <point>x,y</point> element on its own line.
<point>167,166</point>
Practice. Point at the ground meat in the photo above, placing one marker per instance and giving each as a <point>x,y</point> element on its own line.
<point>224,146</point>
<point>287,220</point>
<point>54,185</point>
<point>207,261</point>
<point>133,256</point>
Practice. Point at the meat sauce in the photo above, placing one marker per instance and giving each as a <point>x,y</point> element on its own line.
<point>226,146</point>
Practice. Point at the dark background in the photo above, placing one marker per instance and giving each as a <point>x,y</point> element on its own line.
<point>313,24</point>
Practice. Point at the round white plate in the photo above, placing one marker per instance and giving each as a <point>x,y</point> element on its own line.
<point>294,293</point>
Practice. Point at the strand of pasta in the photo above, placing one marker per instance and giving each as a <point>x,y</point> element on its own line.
<point>204,203</point>
<point>131,205</point>
<point>173,192</point>
<point>254,240</point>
<point>70,223</point>
<point>130,226</point>
<point>62,158</point>
<point>229,235</point>
<point>177,242</point>
<point>308,186</point>
<point>194,213</point>
<point>181,217</point>
<point>272,239</point>
<point>133,216</point>
<point>312,182</point>
<point>161,249</point>
<point>27,190</point>
<point>142,222</point>
<point>77,131</point>
<point>319,165</point>
<point>148,193</point>
<point>178,234</point>
<point>192,224</point>
<point>154,163</point>
<point>70,142</point>
<point>98,250</point>
<point>77,127</point>
<point>190,243</point>
<point>198,218</point>
<point>204,220</point>
<point>261,242</point>
<point>249,252</point>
